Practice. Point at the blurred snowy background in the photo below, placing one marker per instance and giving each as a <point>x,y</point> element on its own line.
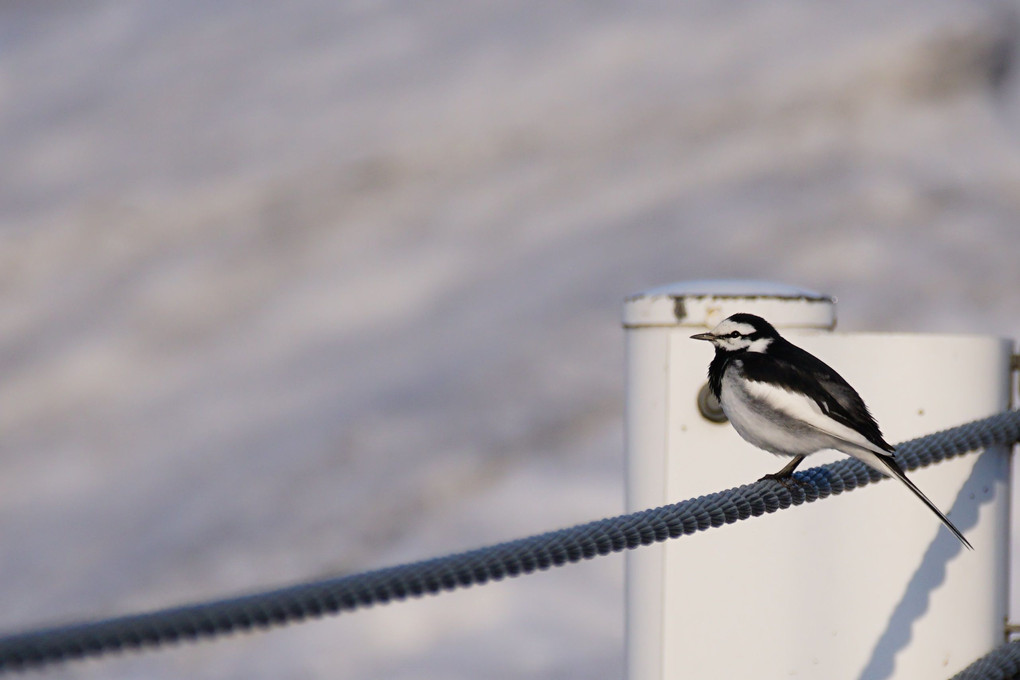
<point>296,289</point>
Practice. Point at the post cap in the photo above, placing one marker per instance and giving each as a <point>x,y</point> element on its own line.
<point>709,301</point>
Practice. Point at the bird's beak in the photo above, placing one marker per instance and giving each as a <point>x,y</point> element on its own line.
<point>703,336</point>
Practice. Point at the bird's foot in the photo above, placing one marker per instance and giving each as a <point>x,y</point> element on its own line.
<point>785,476</point>
<point>786,479</point>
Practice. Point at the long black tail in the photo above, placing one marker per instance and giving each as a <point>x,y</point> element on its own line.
<point>896,471</point>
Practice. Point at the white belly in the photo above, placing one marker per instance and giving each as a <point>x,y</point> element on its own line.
<point>768,427</point>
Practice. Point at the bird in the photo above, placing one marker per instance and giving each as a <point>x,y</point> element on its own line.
<point>787,401</point>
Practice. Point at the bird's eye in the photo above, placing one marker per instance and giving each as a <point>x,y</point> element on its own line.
<point>735,334</point>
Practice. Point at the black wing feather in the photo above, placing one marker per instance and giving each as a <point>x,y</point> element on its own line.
<point>796,370</point>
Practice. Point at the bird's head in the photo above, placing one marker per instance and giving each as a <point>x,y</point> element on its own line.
<point>741,333</point>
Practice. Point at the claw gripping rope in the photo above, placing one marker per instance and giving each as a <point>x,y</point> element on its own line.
<point>523,556</point>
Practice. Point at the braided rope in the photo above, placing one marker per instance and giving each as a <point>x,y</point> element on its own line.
<point>493,563</point>
<point>1001,664</point>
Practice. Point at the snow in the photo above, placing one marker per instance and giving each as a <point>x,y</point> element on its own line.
<point>289,290</point>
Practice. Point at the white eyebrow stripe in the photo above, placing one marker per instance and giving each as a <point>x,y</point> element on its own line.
<point>727,326</point>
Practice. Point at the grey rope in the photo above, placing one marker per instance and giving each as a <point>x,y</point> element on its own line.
<point>1001,664</point>
<point>493,563</point>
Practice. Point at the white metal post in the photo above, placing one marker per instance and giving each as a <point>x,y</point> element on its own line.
<point>864,585</point>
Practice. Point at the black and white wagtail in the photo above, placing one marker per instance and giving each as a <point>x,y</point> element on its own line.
<point>790,403</point>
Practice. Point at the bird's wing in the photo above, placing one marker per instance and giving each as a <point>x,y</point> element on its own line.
<point>809,412</point>
<point>798,372</point>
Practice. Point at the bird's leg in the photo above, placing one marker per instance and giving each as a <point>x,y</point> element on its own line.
<point>783,476</point>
